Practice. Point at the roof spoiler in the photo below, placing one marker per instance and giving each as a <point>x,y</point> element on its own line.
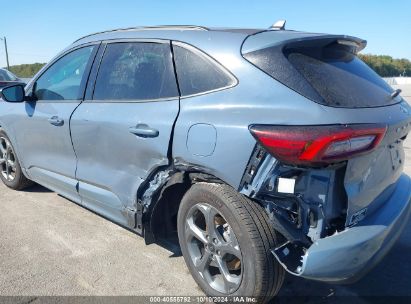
<point>355,43</point>
<point>289,39</point>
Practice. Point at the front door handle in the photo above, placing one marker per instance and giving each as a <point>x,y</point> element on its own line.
<point>143,130</point>
<point>56,121</point>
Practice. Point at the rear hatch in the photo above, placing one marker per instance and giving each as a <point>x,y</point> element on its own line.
<point>326,70</point>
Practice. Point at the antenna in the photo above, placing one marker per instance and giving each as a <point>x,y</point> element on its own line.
<point>279,25</point>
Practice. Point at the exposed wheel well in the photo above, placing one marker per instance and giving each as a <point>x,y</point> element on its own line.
<point>161,219</point>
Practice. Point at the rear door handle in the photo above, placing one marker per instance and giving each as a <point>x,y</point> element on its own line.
<point>143,130</point>
<point>56,121</point>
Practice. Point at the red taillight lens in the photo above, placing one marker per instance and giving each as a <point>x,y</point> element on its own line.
<point>308,145</point>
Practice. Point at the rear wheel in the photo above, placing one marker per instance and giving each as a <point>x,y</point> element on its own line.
<point>226,240</point>
<point>10,170</point>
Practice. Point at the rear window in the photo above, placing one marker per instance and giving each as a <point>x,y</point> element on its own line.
<point>197,73</point>
<point>332,75</point>
<point>7,76</point>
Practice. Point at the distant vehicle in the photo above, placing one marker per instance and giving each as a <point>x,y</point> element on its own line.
<point>261,151</point>
<point>7,78</point>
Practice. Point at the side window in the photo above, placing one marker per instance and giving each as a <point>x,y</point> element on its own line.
<point>198,74</point>
<point>136,71</point>
<point>62,80</point>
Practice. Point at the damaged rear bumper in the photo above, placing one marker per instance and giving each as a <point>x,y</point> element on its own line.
<point>346,256</point>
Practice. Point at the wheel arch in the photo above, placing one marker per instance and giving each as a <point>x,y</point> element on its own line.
<point>159,210</point>
<point>15,146</point>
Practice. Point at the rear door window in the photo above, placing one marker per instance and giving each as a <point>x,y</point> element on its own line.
<point>136,71</point>
<point>197,73</point>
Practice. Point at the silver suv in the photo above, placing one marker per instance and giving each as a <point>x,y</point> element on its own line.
<point>260,151</point>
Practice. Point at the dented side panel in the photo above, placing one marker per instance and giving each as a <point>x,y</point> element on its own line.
<point>112,161</point>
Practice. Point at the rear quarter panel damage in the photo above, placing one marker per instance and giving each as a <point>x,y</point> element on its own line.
<point>231,112</point>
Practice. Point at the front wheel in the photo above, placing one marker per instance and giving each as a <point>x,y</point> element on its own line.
<point>226,239</point>
<point>10,170</point>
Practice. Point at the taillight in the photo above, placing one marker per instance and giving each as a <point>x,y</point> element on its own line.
<point>311,145</point>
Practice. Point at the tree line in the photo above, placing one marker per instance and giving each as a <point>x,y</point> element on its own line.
<point>384,65</point>
<point>26,70</point>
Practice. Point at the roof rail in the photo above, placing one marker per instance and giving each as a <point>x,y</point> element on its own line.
<point>155,27</point>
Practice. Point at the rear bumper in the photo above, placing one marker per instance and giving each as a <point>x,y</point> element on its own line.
<point>346,256</point>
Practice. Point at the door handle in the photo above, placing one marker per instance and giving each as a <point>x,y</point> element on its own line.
<point>143,130</point>
<point>56,121</point>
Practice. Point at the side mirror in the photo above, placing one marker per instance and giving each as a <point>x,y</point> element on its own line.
<point>14,93</point>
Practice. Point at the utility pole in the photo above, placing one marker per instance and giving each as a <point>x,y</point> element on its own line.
<point>7,53</point>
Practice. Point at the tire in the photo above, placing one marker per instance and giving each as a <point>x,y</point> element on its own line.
<point>10,169</point>
<point>236,242</point>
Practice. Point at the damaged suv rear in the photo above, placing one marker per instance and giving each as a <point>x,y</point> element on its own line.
<point>334,189</point>
<point>327,159</point>
<point>260,151</point>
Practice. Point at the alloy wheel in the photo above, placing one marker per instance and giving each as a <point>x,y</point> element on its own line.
<point>213,248</point>
<point>7,160</point>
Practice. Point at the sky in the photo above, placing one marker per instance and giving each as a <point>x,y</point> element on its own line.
<point>36,30</point>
